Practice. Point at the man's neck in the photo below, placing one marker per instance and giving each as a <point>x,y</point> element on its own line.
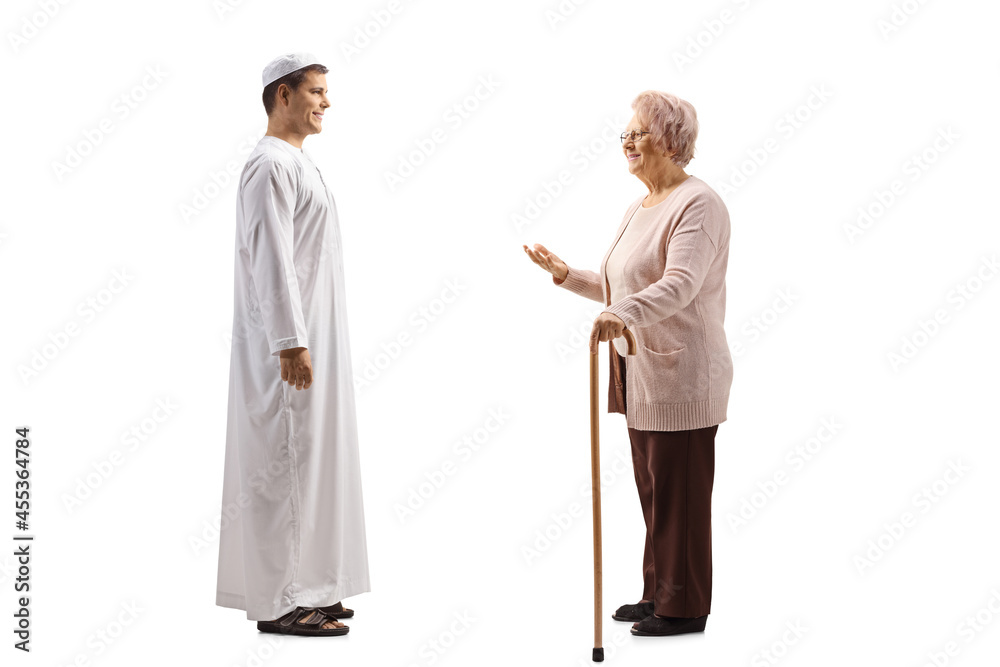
<point>285,135</point>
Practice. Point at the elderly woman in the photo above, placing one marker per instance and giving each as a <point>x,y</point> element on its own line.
<point>664,278</point>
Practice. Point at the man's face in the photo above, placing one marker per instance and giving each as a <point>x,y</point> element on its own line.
<point>307,104</point>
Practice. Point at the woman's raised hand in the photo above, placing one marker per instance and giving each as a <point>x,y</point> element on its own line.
<point>547,260</point>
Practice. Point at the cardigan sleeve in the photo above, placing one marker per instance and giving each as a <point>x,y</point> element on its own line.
<point>582,282</point>
<point>690,253</point>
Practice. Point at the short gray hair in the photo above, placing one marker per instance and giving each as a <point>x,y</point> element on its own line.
<point>672,122</point>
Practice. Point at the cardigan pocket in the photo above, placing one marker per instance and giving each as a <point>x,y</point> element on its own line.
<point>661,354</point>
<point>659,339</point>
<point>659,377</point>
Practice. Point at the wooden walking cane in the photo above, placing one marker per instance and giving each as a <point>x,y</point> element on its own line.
<point>595,485</point>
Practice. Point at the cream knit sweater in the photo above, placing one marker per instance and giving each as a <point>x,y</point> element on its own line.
<point>674,303</point>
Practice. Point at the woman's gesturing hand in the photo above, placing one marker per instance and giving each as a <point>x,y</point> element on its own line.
<point>548,261</point>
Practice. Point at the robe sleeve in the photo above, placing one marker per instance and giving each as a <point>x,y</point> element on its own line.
<point>269,194</point>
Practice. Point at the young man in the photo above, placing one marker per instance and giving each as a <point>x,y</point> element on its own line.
<point>293,534</point>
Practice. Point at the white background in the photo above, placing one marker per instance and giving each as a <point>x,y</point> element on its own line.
<point>794,167</point>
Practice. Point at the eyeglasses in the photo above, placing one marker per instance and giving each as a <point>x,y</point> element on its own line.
<point>634,135</point>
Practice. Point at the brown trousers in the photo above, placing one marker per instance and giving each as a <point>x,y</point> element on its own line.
<point>674,472</point>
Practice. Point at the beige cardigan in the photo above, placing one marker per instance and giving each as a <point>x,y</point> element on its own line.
<point>680,376</point>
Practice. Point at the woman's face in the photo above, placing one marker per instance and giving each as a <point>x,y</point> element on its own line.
<point>643,159</point>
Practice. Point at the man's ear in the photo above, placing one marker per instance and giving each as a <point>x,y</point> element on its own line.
<point>283,93</point>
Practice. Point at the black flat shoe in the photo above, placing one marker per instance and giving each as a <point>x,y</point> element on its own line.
<point>655,626</point>
<point>633,612</point>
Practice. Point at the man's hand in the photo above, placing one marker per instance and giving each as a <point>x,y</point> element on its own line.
<point>296,367</point>
<point>606,327</point>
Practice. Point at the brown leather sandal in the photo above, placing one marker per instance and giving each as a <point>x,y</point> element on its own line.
<point>289,624</point>
<point>337,611</point>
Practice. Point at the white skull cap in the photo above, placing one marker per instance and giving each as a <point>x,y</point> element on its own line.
<point>287,64</point>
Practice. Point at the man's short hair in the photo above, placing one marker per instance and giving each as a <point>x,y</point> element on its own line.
<point>293,80</point>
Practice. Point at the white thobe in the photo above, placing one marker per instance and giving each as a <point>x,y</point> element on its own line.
<point>293,531</point>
